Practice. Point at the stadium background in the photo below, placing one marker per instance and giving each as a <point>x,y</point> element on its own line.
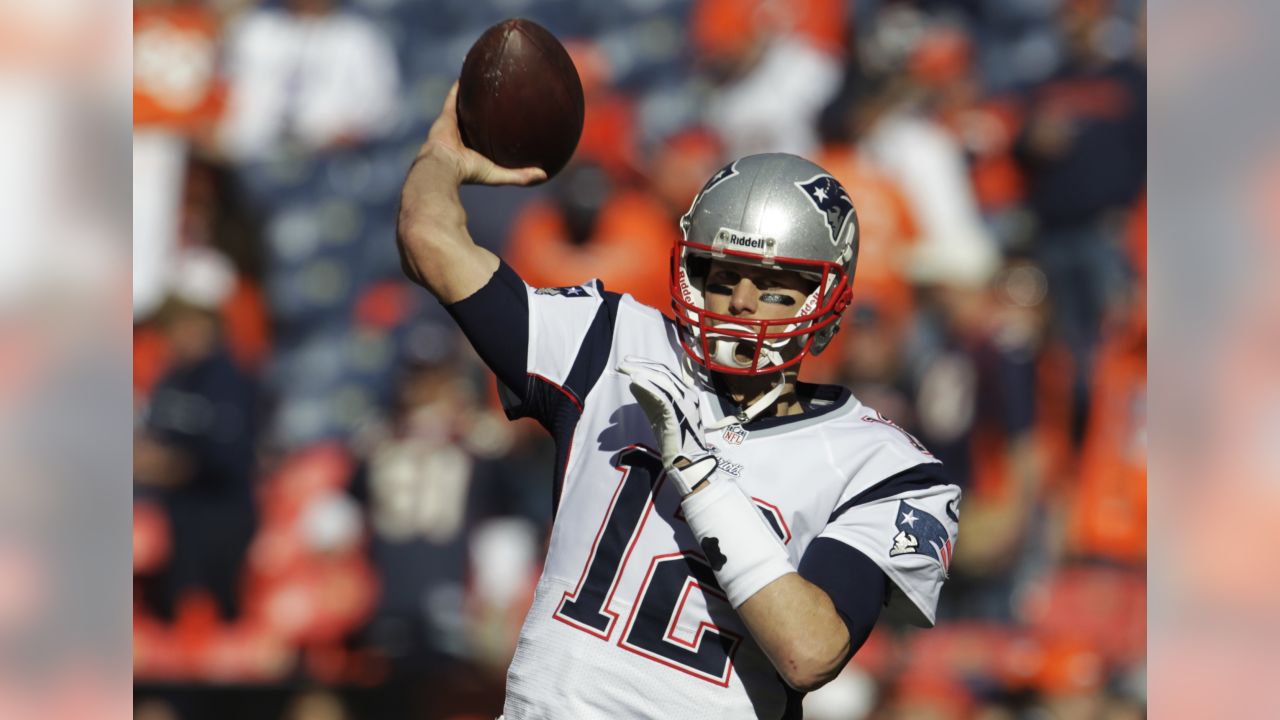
<point>333,520</point>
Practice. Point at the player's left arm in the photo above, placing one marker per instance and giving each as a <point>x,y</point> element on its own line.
<point>807,633</point>
<point>806,637</point>
<point>808,620</point>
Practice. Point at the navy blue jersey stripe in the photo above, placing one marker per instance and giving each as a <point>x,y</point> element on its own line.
<point>587,368</point>
<point>564,422</point>
<point>919,477</point>
<point>589,365</point>
<point>564,391</point>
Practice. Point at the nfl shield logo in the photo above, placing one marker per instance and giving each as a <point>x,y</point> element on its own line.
<point>734,435</point>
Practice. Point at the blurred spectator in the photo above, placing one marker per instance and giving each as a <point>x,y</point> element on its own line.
<point>608,126</point>
<point>679,165</point>
<point>887,225</point>
<point>896,133</point>
<point>587,229</point>
<point>212,218</point>
<point>873,362</point>
<point>430,486</point>
<point>1109,519</point>
<point>592,227</point>
<point>942,66</point>
<point>1084,153</point>
<point>307,74</point>
<point>215,215</point>
<point>769,80</point>
<point>973,363</point>
<point>178,96</point>
<point>887,232</point>
<point>194,448</point>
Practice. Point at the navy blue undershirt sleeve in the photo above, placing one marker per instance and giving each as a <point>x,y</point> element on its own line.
<point>856,585</point>
<point>495,320</point>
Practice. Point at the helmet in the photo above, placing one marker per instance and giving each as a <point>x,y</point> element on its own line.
<point>774,211</point>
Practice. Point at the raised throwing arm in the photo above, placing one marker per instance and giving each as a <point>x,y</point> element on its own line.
<point>436,251</point>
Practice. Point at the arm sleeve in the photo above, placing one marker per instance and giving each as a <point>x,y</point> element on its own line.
<point>547,346</point>
<point>856,585</point>
<point>495,320</point>
<point>907,524</point>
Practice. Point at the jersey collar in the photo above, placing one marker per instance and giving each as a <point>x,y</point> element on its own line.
<point>815,401</point>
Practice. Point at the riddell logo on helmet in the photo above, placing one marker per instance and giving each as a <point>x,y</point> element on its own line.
<point>686,292</point>
<point>746,241</point>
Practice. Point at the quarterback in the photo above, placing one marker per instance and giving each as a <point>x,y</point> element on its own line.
<point>725,536</point>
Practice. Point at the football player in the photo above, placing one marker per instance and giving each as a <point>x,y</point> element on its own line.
<point>725,536</point>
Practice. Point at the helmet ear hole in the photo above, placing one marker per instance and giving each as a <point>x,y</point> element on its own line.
<point>823,337</point>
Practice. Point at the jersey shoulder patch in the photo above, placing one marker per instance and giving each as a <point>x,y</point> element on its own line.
<point>570,291</point>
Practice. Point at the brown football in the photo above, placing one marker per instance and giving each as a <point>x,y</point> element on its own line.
<point>519,97</point>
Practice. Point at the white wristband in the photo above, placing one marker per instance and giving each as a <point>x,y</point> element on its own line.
<point>743,550</point>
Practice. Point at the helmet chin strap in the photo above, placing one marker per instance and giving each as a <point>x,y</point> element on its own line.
<point>752,410</point>
<point>694,372</point>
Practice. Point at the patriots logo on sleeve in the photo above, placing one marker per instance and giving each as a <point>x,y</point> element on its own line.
<point>922,534</point>
<point>831,200</point>
<point>571,291</point>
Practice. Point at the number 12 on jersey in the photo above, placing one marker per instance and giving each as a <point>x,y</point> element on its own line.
<point>651,629</point>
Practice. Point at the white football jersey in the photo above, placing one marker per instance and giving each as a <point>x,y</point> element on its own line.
<point>627,620</point>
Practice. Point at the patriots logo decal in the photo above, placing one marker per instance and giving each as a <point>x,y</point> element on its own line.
<point>831,200</point>
<point>922,534</point>
<point>723,174</point>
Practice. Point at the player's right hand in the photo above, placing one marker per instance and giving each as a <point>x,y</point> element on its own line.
<point>444,144</point>
<point>671,404</point>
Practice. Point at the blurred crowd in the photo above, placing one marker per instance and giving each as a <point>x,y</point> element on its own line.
<point>332,518</point>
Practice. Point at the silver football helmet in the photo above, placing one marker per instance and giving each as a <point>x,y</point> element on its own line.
<point>774,211</point>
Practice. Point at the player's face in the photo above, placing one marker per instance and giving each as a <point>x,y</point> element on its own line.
<point>755,293</point>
